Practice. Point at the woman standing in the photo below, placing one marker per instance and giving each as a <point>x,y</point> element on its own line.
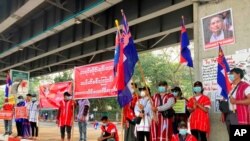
<point>19,121</point>
<point>199,106</point>
<point>143,114</point>
<point>179,117</point>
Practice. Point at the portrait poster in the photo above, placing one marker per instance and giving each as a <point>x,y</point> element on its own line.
<point>218,28</point>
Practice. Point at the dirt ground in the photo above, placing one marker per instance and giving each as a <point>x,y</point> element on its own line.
<point>50,132</point>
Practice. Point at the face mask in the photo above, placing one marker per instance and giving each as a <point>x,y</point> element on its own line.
<point>20,100</point>
<point>231,77</point>
<point>69,97</point>
<point>143,93</point>
<point>183,131</point>
<point>133,91</point>
<point>197,89</point>
<point>104,124</point>
<point>33,98</point>
<point>161,89</point>
<point>175,94</point>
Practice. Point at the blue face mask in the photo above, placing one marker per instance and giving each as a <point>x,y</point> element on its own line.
<point>231,77</point>
<point>197,89</point>
<point>161,89</point>
<point>175,94</point>
<point>183,131</point>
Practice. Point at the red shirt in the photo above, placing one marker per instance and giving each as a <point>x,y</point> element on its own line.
<point>8,107</point>
<point>128,110</point>
<point>199,119</point>
<point>111,128</point>
<point>65,113</point>
<point>188,138</point>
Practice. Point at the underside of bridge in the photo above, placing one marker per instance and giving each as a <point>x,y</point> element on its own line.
<point>46,36</point>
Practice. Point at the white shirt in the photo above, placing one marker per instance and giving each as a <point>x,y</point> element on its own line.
<point>33,111</point>
<point>146,121</point>
<point>215,37</point>
<point>232,107</point>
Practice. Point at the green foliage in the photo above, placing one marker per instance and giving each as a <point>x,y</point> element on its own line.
<point>1,97</point>
<point>158,68</point>
<point>64,76</point>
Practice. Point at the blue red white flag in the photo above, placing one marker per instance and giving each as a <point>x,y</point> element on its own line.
<point>128,58</point>
<point>185,56</point>
<point>8,84</point>
<point>224,85</point>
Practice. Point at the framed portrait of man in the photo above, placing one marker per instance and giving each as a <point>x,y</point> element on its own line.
<point>218,29</point>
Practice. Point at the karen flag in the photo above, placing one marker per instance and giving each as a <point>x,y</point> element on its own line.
<point>128,58</point>
<point>185,56</point>
<point>224,86</point>
<point>8,84</point>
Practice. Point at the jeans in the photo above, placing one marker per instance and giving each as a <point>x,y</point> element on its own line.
<point>68,130</point>
<point>83,130</point>
<point>8,126</point>
<point>34,129</point>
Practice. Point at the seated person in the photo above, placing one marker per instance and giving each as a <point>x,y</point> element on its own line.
<point>183,135</point>
<point>109,131</point>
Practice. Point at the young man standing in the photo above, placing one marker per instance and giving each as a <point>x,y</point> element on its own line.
<point>33,116</point>
<point>65,115</point>
<point>8,123</point>
<point>239,104</point>
<point>109,131</point>
<point>82,117</point>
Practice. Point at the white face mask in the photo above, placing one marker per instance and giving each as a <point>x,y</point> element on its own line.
<point>133,91</point>
<point>143,94</point>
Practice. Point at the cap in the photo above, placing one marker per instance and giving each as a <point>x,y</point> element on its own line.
<point>104,118</point>
<point>28,95</point>
<point>20,97</point>
<point>33,95</point>
<point>198,83</point>
<point>145,89</point>
<point>176,88</point>
<point>163,83</point>
<point>67,94</point>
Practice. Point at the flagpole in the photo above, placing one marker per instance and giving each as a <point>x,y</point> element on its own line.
<point>122,111</point>
<point>73,125</point>
<point>190,71</point>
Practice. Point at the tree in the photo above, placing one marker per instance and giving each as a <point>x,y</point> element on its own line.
<point>64,76</point>
<point>160,67</point>
<point>1,98</point>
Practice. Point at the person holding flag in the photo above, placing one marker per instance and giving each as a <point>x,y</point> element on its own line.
<point>163,102</point>
<point>129,116</point>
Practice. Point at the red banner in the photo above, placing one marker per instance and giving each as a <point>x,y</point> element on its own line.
<point>51,94</point>
<point>6,115</point>
<point>94,81</point>
<point>21,112</point>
